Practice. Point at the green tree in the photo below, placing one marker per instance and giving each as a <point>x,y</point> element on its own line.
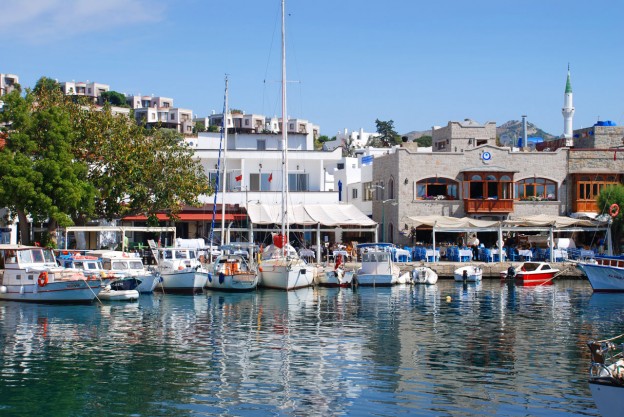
<point>424,141</point>
<point>387,136</point>
<point>213,129</point>
<point>318,142</point>
<point>114,98</point>
<point>41,178</point>
<point>610,195</point>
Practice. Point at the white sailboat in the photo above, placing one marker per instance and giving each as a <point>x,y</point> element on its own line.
<point>234,269</point>
<point>281,266</point>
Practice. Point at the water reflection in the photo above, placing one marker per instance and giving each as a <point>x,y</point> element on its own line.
<point>447,349</point>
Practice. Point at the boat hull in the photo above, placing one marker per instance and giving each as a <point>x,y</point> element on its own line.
<point>119,295</point>
<point>604,278</point>
<point>534,279</point>
<point>609,398</point>
<point>473,274</point>
<point>79,291</point>
<point>333,279</point>
<point>149,282</point>
<point>286,275</point>
<point>184,281</point>
<point>232,282</point>
<point>424,275</point>
<point>381,280</point>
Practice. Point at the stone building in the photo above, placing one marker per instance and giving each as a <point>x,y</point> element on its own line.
<point>459,136</point>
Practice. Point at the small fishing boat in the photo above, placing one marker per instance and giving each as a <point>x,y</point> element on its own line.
<point>121,289</point>
<point>180,269</point>
<point>605,273</point>
<point>606,376</point>
<point>468,273</point>
<point>377,268</point>
<point>232,271</point>
<point>336,276</point>
<point>31,273</point>
<point>530,274</point>
<point>424,275</point>
<point>128,264</point>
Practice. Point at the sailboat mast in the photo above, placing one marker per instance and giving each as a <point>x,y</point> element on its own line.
<point>218,179</point>
<point>284,136</point>
<point>225,146</point>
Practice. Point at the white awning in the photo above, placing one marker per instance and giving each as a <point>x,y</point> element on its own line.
<point>310,214</point>
<point>466,223</point>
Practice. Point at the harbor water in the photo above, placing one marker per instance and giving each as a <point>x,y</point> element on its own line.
<point>488,349</point>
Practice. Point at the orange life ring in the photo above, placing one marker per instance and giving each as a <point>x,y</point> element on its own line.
<point>43,279</point>
<point>614,210</point>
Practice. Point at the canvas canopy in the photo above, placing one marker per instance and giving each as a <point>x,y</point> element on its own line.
<point>466,223</point>
<point>310,214</point>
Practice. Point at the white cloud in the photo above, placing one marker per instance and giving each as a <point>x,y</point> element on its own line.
<point>43,21</point>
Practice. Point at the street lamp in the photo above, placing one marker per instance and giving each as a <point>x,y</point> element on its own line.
<point>383,215</point>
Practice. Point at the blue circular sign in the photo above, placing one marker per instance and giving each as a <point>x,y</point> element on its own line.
<point>486,156</point>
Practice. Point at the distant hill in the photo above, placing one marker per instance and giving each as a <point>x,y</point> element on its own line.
<point>512,130</point>
<point>508,131</point>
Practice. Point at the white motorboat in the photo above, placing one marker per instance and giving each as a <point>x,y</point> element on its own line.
<point>128,265</point>
<point>335,275</point>
<point>468,273</point>
<point>424,275</point>
<point>181,270</point>
<point>121,290</point>
<point>377,267</point>
<point>605,273</point>
<point>30,273</point>
<point>232,271</point>
<point>606,376</point>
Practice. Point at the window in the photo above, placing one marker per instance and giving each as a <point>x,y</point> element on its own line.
<point>341,165</point>
<point>173,117</point>
<point>488,186</point>
<point>354,193</point>
<point>437,189</point>
<point>246,122</point>
<point>391,188</point>
<point>367,191</point>
<point>259,182</point>
<point>536,189</point>
<point>588,187</point>
<point>298,182</point>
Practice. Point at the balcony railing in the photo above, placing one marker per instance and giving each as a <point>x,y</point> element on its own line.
<point>488,206</point>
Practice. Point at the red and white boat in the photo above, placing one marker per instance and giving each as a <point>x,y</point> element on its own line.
<point>337,276</point>
<point>531,274</point>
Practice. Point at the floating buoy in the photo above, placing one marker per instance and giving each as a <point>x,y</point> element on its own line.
<point>448,299</point>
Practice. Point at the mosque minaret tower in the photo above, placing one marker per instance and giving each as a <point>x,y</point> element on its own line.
<point>568,109</point>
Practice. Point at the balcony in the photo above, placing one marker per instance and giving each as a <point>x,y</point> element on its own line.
<point>585,206</point>
<point>480,206</point>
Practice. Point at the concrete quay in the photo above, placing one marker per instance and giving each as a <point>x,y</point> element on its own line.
<point>490,269</point>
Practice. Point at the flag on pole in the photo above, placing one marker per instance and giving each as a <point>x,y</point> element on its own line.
<point>271,177</point>
<point>239,177</point>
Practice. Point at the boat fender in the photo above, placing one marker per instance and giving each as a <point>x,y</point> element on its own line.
<point>3,289</point>
<point>221,277</point>
<point>209,277</point>
<point>180,267</point>
<point>43,279</point>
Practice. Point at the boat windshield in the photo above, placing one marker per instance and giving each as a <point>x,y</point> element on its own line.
<point>531,266</point>
<point>375,257</point>
<point>136,265</point>
<point>117,265</point>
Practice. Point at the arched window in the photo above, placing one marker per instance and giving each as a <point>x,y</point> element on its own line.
<point>490,186</point>
<point>391,188</point>
<point>435,188</point>
<point>536,189</point>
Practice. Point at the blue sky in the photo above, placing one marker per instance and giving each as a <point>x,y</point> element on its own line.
<point>418,63</point>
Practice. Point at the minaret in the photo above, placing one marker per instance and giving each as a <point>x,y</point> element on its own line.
<point>568,108</point>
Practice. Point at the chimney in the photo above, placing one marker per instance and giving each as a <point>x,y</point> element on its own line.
<point>524,131</point>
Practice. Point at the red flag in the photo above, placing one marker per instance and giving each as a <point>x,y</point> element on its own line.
<point>239,177</point>
<point>271,177</point>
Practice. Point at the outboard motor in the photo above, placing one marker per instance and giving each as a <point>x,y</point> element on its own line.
<point>511,272</point>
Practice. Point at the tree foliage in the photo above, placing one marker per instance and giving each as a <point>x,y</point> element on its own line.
<point>114,98</point>
<point>424,141</point>
<point>610,195</point>
<point>386,137</point>
<point>66,163</point>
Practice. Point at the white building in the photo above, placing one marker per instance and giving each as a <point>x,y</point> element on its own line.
<point>7,83</point>
<point>92,90</point>
<point>357,140</point>
<point>159,111</point>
